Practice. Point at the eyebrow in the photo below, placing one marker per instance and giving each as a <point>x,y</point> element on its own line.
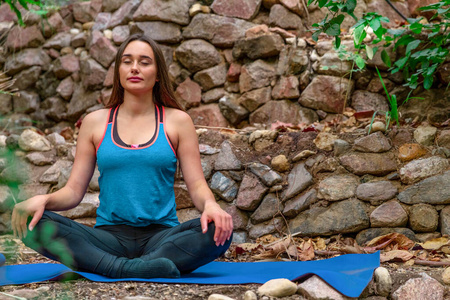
<point>141,56</point>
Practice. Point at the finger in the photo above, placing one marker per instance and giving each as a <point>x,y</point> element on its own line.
<point>230,226</point>
<point>37,216</point>
<point>218,231</point>
<point>204,223</point>
<point>23,226</point>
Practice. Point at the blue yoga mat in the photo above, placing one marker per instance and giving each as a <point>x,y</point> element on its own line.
<point>348,274</point>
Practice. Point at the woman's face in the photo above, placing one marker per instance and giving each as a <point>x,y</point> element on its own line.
<point>138,70</point>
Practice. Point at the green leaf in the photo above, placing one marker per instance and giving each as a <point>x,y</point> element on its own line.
<point>385,58</point>
<point>360,62</point>
<point>396,32</point>
<point>416,28</point>
<point>412,20</point>
<point>310,1</point>
<point>428,82</point>
<point>369,52</point>
<point>350,6</point>
<point>333,30</point>
<point>394,108</point>
<point>401,62</point>
<point>316,34</point>
<point>322,3</point>
<point>375,24</point>
<point>413,45</point>
<point>337,42</point>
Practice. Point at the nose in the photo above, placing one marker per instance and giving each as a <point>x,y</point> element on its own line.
<point>134,67</point>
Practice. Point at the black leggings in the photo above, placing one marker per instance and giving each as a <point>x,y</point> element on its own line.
<point>98,249</point>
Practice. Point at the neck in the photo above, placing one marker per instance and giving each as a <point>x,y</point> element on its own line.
<point>136,105</point>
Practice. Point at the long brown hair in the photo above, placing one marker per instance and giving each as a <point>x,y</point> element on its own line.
<point>162,91</point>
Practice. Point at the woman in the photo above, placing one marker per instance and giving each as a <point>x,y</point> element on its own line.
<point>136,143</point>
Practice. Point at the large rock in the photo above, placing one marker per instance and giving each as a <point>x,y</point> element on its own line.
<point>112,5</point>
<point>364,100</point>
<point>287,87</point>
<point>423,218</point>
<point>253,99</point>
<point>346,216</point>
<point>298,179</point>
<point>211,77</point>
<point>83,13</point>
<point>176,11</point>
<point>265,173</point>
<point>281,17</point>
<point>256,75</point>
<point>81,101</point>
<point>284,111</point>
<point>337,187</point>
<point>66,65</point>
<point>443,139</point>
<point>327,93</point>
<point>280,287</point>
<point>197,55</point>
<point>240,218</point>
<point>24,37</point>
<point>432,190</point>
<point>444,220</point>
<point>162,32</point>
<point>316,288</point>
<point>5,104</point>
<point>389,214</point>
<point>272,226</point>
<point>231,110</point>
<point>330,64</point>
<point>376,142</point>
<point>92,74</point>
<point>27,78</point>
<point>25,59</point>
<point>419,169</point>
<point>208,115</point>
<point>220,31</point>
<point>268,208</point>
<point>262,46</point>
<point>376,192</point>
<point>103,51</point>
<point>124,14</point>
<point>299,203</point>
<point>378,164</point>
<point>424,287</point>
<point>188,94</point>
<point>369,234</point>
<point>52,174</point>
<point>227,160</point>
<point>251,192</point>
<point>226,188</point>
<point>244,9</point>
<point>54,108</point>
<point>26,102</point>
<point>59,41</point>
<point>6,199</point>
<point>30,140</point>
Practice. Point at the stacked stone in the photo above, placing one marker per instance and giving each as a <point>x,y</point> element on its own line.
<point>312,184</point>
<point>233,63</point>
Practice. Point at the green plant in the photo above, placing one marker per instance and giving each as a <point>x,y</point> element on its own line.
<point>426,42</point>
<point>16,4</point>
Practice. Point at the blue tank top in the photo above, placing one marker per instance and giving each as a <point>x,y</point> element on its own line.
<point>136,181</point>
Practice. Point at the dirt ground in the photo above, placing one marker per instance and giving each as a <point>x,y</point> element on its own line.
<point>80,288</point>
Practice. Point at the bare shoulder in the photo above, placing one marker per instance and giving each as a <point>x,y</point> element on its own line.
<point>177,117</point>
<point>98,116</point>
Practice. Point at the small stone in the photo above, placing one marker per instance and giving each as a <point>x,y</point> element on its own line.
<point>56,139</point>
<point>423,218</point>
<point>425,135</point>
<point>376,126</point>
<point>424,287</point>
<point>389,214</point>
<point>25,293</point>
<point>375,142</point>
<point>315,288</point>
<point>409,152</point>
<point>298,180</point>
<point>383,281</point>
<point>261,139</point>
<point>337,187</point>
<point>224,187</point>
<point>280,163</point>
<point>265,173</point>
<point>422,168</point>
<point>302,155</point>
<point>278,288</point>
<point>376,192</point>
<point>250,295</point>
<point>219,297</point>
<point>325,141</point>
<point>446,276</point>
<point>30,140</point>
<point>227,160</point>
<point>340,147</point>
<point>41,158</point>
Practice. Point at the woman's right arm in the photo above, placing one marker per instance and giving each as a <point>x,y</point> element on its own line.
<point>72,193</point>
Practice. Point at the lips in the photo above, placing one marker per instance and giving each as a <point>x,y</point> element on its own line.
<point>135,79</point>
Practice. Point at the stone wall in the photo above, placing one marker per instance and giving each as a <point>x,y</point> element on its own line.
<point>250,66</point>
<point>233,62</point>
<point>271,182</point>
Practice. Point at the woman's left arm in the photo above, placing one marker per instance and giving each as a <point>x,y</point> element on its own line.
<point>188,154</point>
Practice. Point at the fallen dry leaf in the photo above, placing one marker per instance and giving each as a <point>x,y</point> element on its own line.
<point>306,251</point>
<point>397,240</point>
<point>435,244</point>
<point>396,255</point>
